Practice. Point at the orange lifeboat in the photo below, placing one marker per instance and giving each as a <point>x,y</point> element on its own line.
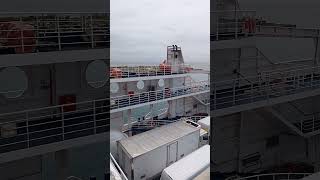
<point>116,73</point>
<point>165,67</point>
<point>19,36</point>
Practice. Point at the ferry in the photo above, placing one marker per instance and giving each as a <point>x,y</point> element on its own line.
<point>144,145</point>
<point>54,116</point>
<point>265,113</point>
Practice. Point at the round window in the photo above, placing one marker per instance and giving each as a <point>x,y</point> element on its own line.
<point>96,74</point>
<point>114,87</point>
<point>140,84</point>
<point>14,82</point>
<point>161,82</point>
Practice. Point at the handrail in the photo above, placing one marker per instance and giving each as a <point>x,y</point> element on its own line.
<point>273,175</point>
<point>127,71</point>
<point>43,32</point>
<point>34,127</point>
<point>123,175</point>
<point>151,96</point>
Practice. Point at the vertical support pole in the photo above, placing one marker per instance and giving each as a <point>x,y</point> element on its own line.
<point>62,121</point>
<point>94,117</point>
<point>22,34</point>
<point>92,38</point>
<point>236,24</point>
<point>59,32</point>
<point>27,126</point>
<point>234,93</point>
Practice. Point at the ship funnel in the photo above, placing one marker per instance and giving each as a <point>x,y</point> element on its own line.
<point>174,55</point>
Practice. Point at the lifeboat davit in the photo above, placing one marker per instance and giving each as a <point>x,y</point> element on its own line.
<point>19,36</point>
<point>165,67</point>
<point>116,73</point>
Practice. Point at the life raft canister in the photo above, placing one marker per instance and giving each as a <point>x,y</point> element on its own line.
<point>130,93</point>
<point>165,67</point>
<point>19,36</point>
<point>116,73</point>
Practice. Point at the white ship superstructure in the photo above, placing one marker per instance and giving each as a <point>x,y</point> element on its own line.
<point>134,87</point>
<point>265,113</point>
<point>53,98</point>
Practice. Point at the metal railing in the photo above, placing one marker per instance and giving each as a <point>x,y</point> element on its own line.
<point>31,128</point>
<point>43,32</point>
<point>150,124</point>
<point>265,86</point>
<point>128,71</point>
<point>286,31</point>
<point>122,174</point>
<point>151,96</point>
<point>276,176</point>
<point>231,24</point>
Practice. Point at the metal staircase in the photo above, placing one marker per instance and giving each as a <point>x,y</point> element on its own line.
<point>304,125</point>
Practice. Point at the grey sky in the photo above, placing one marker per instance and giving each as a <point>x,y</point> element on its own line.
<point>141,30</point>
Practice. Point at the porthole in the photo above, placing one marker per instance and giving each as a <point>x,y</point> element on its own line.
<point>114,87</point>
<point>161,83</point>
<point>96,74</point>
<point>14,82</point>
<point>140,84</point>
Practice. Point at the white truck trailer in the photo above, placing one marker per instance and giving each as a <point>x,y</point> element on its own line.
<point>190,167</point>
<point>144,156</point>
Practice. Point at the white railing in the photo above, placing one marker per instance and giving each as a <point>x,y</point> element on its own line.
<point>159,112</point>
<point>276,176</point>
<point>43,32</point>
<point>122,174</point>
<point>231,24</point>
<point>265,86</point>
<point>151,96</point>
<point>31,128</point>
<point>287,31</point>
<point>150,124</point>
<point>128,71</point>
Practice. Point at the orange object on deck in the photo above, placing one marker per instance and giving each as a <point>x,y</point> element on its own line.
<point>165,67</point>
<point>116,73</point>
<point>19,36</point>
<point>130,93</point>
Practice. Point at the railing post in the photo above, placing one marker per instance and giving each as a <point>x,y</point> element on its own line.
<point>62,121</point>
<point>234,93</point>
<point>92,38</point>
<point>94,117</point>
<point>236,24</point>
<point>251,92</point>
<point>27,125</point>
<point>215,96</point>
<point>217,35</point>
<point>59,33</point>
<point>22,34</point>
<point>313,119</point>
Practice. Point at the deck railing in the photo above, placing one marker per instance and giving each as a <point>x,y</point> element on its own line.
<point>265,86</point>
<point>43,32</point>
<point>231,24</point>
<point>31,128</point>
<point>151,96</point>
<point>128,71</point>
<point>276,176</point>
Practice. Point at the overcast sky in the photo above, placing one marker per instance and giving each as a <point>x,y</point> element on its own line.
<point>141,30</point>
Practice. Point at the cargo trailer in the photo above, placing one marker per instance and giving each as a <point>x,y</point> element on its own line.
<point>195,165</point>
<point>144,156</point>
